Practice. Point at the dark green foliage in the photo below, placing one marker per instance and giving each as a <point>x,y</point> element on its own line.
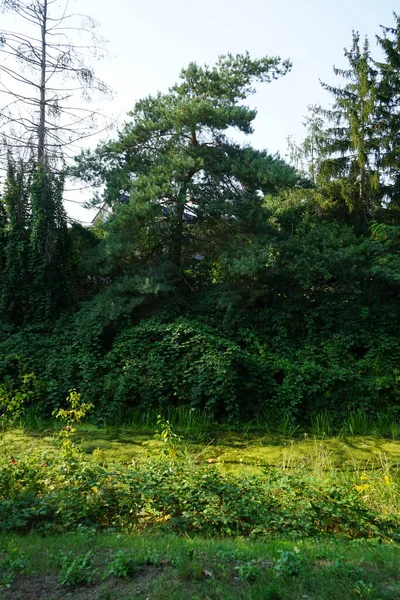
<point>317,329</point>
<point>35,252</point>
<point>49,251</point>
<point>224,282</point>
<point>185,362</point>
<point>14,237</point>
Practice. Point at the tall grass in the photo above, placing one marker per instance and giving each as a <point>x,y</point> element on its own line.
<point>198,423</point>
<point>187,421</point>
<point>32,419</point>
<point>322,424</point>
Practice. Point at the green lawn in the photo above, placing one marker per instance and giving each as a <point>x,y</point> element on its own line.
<point>121,567</point>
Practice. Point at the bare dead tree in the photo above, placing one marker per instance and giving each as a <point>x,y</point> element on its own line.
<point>46,80</point>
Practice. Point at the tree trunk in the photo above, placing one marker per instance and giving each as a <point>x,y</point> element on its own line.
<point>177,241</point>
<point>42,101</point>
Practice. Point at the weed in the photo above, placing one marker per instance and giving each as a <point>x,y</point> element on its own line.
<point>123,565</point>
<point>75,414</point>
<point>363,590</point>
<point>289,563</point>
<point>190,420</point>
<point>358,422</point>
<point>170,439</point>
<point>287,427</point>
<point>76,570</point>
<point>12,562</point>
<point>249,571</point>
<point>32,419</point>
<point>322,424</point>
<point>12,401</point>
<point>394,429</point>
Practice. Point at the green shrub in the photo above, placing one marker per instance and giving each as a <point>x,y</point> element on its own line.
<point>64,493</point>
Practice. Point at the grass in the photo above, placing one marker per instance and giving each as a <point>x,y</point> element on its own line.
<point>196,423</point>
<point>85,565</point>
<point>168,567</point>
<point>231,451</point>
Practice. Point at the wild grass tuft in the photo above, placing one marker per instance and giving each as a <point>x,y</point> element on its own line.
<point>322,424</point>
<point>358,422</point>
<point>186,420</point>
<point>32,419</point>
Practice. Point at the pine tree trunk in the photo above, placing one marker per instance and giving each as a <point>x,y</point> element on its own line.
<point>177,243</point>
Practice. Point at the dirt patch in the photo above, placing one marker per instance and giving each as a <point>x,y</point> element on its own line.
<point>47,587</point>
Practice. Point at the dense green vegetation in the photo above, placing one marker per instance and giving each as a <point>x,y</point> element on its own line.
<point>199,532</point>
<point>228,282</point>
<point>225,280</point>
<point>229,291</point>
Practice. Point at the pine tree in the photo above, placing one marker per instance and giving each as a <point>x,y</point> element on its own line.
<point>190,187</point>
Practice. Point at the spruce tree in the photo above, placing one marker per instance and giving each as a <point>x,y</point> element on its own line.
<point>388,113</point>
<point>348,171</point>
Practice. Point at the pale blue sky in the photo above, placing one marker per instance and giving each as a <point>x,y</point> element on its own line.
<point>151,41</point>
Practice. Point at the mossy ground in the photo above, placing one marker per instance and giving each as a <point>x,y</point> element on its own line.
<point>230,451</point>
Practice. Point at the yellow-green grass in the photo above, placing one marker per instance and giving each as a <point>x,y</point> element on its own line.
<point>231,451</point>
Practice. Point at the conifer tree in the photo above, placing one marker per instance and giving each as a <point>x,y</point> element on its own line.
<point>189,188</point>
<point>388,113</point>
<point>350,146</point>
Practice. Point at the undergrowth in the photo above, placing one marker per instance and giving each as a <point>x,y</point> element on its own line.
<point>69,491</point>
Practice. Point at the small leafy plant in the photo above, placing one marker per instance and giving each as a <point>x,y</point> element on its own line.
<point>72,416</point>
<point>11,563</point>
<point>123,565</point>
<point>12,400</point>
<point>249,571</point>
<point>289,563</point>
<point>170,439</point>
<point>76,570</point>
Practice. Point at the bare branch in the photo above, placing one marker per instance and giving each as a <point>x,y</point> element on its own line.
<point>44,55</point>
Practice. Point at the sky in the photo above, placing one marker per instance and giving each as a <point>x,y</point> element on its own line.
<point>150,41</point>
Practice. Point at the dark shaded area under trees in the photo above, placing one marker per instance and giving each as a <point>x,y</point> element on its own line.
<point>228,280</point>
